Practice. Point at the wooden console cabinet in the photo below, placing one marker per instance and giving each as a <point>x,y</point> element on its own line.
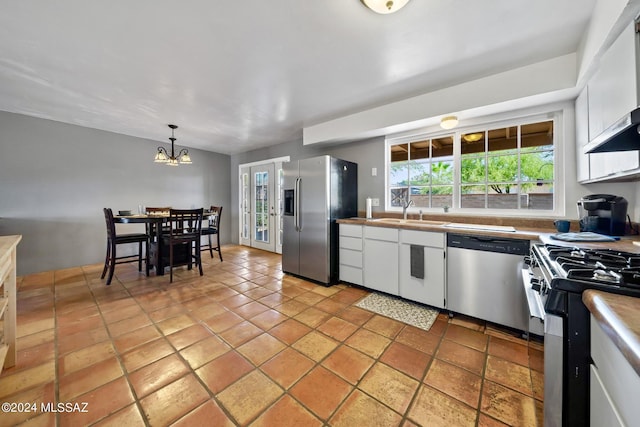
<point>8,294</point>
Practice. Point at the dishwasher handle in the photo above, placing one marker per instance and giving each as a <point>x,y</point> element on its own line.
<point>488,244</point>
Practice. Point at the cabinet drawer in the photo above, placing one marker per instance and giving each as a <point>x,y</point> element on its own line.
<point>352,258</point>
<point>353,243</point>
<point>351,274</point>
<point>350,230</point>
<point>422,238</point>
<point>380,233</point>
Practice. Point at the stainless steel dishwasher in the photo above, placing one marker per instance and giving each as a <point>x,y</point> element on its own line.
<point>484,279</point>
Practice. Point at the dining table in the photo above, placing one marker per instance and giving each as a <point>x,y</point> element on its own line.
<point>155,221</point>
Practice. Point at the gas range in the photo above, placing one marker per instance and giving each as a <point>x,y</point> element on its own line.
<point>554,278</point>
<point>574,269</point>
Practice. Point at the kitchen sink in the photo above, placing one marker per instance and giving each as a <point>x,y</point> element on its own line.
<point>409,221</point>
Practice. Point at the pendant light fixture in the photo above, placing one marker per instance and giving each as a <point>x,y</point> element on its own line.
<point>385,6</point>
<point>162,156</point>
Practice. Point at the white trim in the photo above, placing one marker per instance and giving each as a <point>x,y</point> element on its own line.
<point>262,162</point>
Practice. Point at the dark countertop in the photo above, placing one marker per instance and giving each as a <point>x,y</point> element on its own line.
<point>534,230</point>
<point>618,316</point>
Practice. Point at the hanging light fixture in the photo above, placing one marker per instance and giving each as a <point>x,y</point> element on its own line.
<point>449,122</point>
<point>385,6</point>
<point>162,156</point>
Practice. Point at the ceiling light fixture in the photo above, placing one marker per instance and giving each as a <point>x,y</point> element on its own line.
<point>162,156</point>
<point>473,137</point>
<point>385,6</point>
<point>449,122</point>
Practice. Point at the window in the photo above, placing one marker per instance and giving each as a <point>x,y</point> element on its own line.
<point>503,168</point>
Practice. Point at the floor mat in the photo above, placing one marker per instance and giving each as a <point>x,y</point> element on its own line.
<point>396,308</point>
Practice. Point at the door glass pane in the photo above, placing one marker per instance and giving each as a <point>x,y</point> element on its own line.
<point>245,206</point>
<point>261,215</point>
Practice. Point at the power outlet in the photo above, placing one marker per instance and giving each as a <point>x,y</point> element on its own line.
<point>375,202</point>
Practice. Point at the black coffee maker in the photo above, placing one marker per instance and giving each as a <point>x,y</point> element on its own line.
<point>603,213</point>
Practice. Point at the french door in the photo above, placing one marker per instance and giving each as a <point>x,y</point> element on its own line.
<point>261,206</point>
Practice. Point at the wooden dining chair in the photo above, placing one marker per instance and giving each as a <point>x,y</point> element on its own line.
<point>156,211</point>
<point>183,238</point>
<point>211,229</point>
<point>114,239</point>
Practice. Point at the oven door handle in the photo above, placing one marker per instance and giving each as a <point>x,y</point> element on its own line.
<point>536,309</point>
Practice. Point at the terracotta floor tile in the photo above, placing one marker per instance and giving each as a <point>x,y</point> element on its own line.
<point>434,408</point>
<point>175,324</point>
<point>157,374</point>
<point>348,363</point>
<point>360,409</point>
<point>389,386</point>
<point>97,406</point>
<point>224,321</point>
<point>331,306</point>
<point>235,301</point>
<point>292,307</point>
<point>355,315</point>
<point>315,345</point>
<point>406,359</point>
<point>309,298</point>
<point>207,414</point>
<point>486,421</point>
<point>174,400</point>
<point>249,396</point>
<point>468,322</point>
<point>537,380</point>
<point>384,326</point>
<point>204,351</point>
<point>85,357</point>
<point>241,333</point>
<point>187,336</point>
<point>127,325</point>
<point>509,374</point>
<point>462,356</point>
<point>286,412</point>
<point>261,348</point>
<point>508,350</point>
<point>456,382</point>
<point>129,416</point>
<point>536,360</point>
<point>73,342</point>
<point>251,309</point>
<point>312,317</point>
<point>468,337</point>
<point>148,353</point>
<point>28,328</point>
<point>224,370</point>
<point>135,338</point>
<point>268,319</point>
<point>89,378</point>
<point>208,311</point>
<point>422,340</point>
<point>508,406</point>
<point>287,367</point>
<point>321,391</point>
<point>38,338</point>
<point>368,342</point>
<point>274,299</point>
<point>127,312</point>
<point>36,395</point>
<point>290,331</point>
<point>337,328</point>
<point>35,355</point>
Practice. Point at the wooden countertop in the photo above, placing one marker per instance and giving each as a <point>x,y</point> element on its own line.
<point>526,230</point>
<point>619,317</point>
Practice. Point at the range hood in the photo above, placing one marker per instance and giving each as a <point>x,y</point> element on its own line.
<point>623,135</point>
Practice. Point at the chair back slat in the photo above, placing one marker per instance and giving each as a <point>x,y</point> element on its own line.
<point>111,225</point>
<point>185,223</point>
<point>214,220</point>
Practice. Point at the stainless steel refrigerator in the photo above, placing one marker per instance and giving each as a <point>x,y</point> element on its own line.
<point>317,191</point>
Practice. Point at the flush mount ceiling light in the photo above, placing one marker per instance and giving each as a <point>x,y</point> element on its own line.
<point>385,6</point>
<point>449,122</point>
<point>162,156</point>
<point>472,137</point>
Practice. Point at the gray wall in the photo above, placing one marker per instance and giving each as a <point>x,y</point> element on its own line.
<point>367,154</point>
<point>55,179</point>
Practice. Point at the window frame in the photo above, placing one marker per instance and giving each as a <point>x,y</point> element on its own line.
<point>483,125</point>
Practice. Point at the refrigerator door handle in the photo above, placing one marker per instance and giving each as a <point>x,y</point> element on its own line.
<point>298,196</point>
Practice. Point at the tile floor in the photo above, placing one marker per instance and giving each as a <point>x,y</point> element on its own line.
<point>248,345</point>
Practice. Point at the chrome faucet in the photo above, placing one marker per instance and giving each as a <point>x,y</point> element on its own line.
<point>405,205</point>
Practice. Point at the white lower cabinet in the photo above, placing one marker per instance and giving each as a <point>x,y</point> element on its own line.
<point>350,253</point>
<point>615,385</point>
<point>381,259</point>
<point>425,282</point>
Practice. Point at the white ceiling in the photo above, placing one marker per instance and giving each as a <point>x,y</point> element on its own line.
<point>238,75</point>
